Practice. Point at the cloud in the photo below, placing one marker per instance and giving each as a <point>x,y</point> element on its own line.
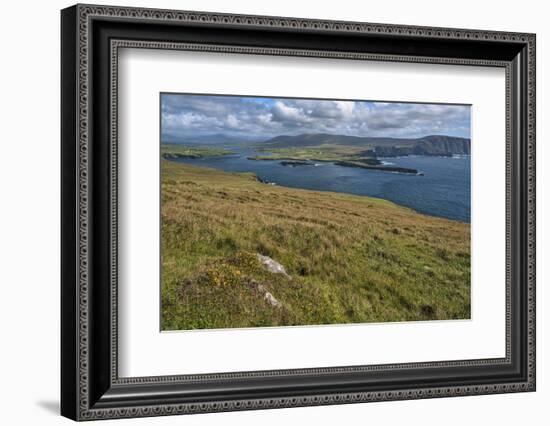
<point>233,122</point>
<point>186,115</point>
<point>287,113</point>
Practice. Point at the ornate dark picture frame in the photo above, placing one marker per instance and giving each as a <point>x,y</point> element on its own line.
<point>91,37</point>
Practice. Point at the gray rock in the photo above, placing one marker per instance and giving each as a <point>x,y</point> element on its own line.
<point>271,300</point>
<point>272,266</point>
<point>268,297</point>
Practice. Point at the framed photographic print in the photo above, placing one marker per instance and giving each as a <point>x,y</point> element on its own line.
<point>263,212</point>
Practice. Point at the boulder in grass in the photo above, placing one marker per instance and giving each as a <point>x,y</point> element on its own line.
<point>267,296</point>
<point>271,300</point>
<point>272,266</point>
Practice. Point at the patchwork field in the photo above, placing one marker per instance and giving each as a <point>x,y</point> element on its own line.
<point>346,258</point>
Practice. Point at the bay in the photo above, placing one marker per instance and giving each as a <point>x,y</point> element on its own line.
<point>443,190</point>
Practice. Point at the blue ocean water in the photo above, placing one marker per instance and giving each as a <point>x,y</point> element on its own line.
<point>443,190</point>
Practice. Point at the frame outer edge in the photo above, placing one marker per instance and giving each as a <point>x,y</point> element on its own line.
<point>69,261</point>
<point>83,12</point>
<point>531,200</point>
<point>83,409</point>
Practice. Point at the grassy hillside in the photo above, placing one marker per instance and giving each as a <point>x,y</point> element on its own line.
<point>350,259</point>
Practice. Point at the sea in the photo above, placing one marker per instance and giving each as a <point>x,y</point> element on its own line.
<point>441,189</point>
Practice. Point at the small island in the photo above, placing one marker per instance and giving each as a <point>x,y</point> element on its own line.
<point>295,163</point>
<point>363,165</point>
<point>340,155</point>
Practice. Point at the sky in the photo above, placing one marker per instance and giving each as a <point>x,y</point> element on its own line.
<point>186,116</point>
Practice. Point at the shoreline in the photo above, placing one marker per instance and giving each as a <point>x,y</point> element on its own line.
<point>266,182</point>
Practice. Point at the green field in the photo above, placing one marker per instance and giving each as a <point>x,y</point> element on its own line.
<point>349,259</point>
<point>324,152</point>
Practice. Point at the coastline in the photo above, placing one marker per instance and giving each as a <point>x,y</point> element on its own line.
<point>265,181</point>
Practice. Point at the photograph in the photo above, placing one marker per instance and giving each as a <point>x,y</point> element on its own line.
<point>280,211</point>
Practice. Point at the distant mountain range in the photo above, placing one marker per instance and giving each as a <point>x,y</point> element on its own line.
<point>376,146</point>
<point>211,139</point>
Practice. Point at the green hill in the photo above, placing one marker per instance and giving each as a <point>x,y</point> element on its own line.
<point>350,259</point>
<point>380,146</point>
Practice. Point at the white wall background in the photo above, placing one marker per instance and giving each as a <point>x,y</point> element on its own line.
<point>29,211</point>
